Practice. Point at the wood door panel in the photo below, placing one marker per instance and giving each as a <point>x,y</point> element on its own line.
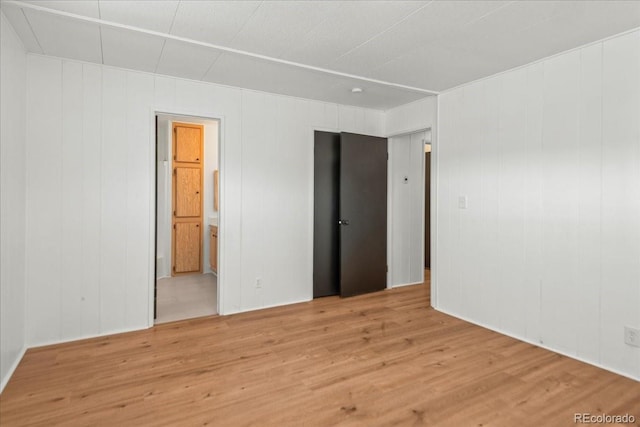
<point>188,192</point>
<point>363,213</point>
<point>187,237</point>
<point>188,143</point>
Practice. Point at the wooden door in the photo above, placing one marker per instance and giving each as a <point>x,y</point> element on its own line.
<point>187,144</point>
<point>188,185</point>
<point>187,243</point>
<point>188,162</point>
<point>363,214</point>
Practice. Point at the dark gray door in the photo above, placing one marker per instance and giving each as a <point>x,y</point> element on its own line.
<point>326,188</point>
<point>427,210</point>
<point>363,214</point>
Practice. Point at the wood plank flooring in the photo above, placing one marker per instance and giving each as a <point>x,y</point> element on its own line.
<point>383,359</point>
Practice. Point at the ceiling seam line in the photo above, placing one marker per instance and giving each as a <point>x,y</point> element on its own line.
<point>155,69</point>
<point>382,32</point>
<point>32,31</point>
<point>473,21</point>
<point>491,12</point>
<point>210,67</point>
<point>101,22</point>
<point>100,33</point>
<point>164,41</point>
<point>311,30</point>
<point>233,38</point>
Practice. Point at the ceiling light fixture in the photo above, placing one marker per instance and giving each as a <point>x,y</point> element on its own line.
<point>356,90</point>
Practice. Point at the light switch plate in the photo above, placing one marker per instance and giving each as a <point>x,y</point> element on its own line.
<point>462,202</point>
<point>632,336</point>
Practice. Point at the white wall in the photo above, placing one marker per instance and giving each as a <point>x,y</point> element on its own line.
<point>412,117</point>
<point>405,248</point>
<point>549,248</point>
<point>90,189</point>
<point>12,199</point>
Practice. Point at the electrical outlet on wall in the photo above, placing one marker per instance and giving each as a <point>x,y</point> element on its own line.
<point>632,336</point>
<point>258,283</point>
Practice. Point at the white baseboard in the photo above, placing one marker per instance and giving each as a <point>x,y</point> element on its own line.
<point>246,310</point>
<point>405,284</point>
<point>12,369</point>
<point>537,344</point>
<point>88,337</point>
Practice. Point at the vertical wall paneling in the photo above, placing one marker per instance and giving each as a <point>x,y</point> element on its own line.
<point>554,223</point>
<point>620,200</point>
<point>470,186</point>
<point>559,201</point>
<point>255,141</point>
<point>139,95</point>
<point>113,251</point>
<point>589,247</point>
<point>489,202</point>
<point>511,166</point>
<point>91,199</point>
<point>533,247</point>
<point>13,70</point>
<point>90,193</point>
<point>44,200</point>
<point>71,165</point>
<point>448,202</point>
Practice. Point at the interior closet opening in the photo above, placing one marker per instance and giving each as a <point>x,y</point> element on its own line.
<point>187,217</point>
<point>350,214</point>
<point>409,208</point>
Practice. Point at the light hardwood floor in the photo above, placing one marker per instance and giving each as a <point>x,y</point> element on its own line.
<point>375,360</point>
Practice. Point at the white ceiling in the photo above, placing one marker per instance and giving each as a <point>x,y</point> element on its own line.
<point>398,51</point>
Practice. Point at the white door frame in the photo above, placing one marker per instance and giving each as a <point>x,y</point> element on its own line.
<point>205,115</point>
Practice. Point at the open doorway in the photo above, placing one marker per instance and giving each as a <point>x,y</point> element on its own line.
<point>408,208</point>
<point>187,164</point>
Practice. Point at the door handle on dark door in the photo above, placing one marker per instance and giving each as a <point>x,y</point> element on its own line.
<point>343,222</point>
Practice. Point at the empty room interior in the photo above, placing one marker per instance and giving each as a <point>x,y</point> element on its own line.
<point>322,213</point>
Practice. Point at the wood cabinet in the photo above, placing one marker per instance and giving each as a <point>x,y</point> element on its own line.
<point>187,145</point>
<point>188,184</point>
<point>187,237</point>
<point>213,248</point>
<point>188,233</point>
